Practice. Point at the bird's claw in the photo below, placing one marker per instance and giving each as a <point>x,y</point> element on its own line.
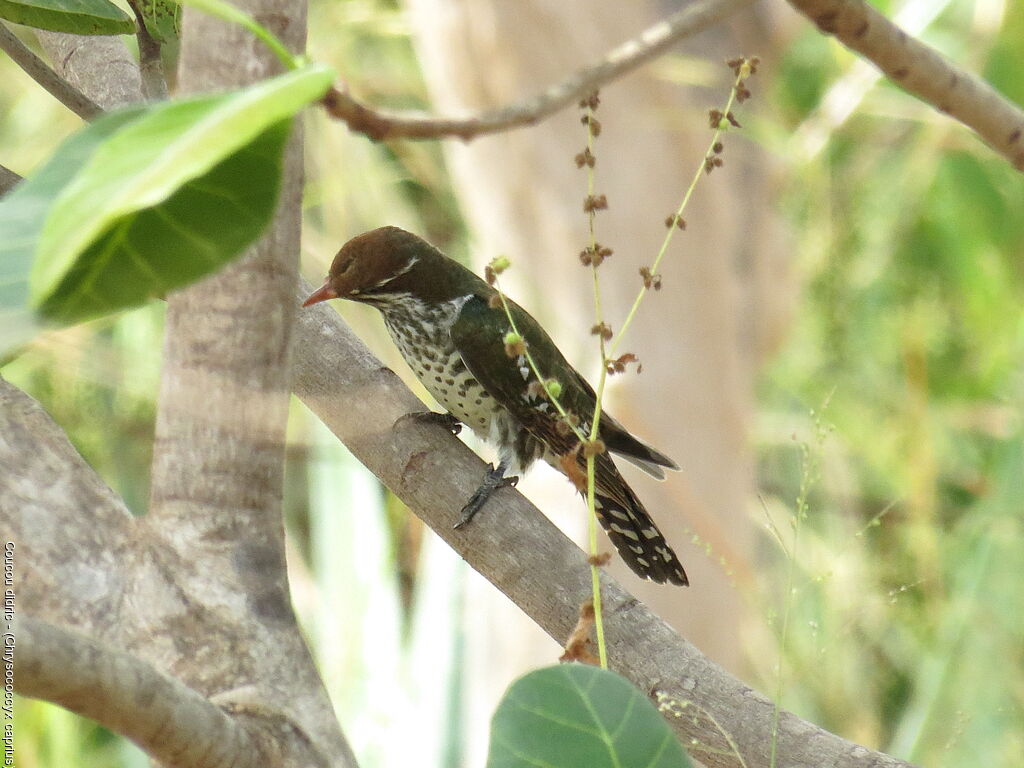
<point>493,480</point>
<point>446,420</point>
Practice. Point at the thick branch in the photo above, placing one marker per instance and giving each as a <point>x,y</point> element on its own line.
<point>173,723</point>
<point>99,66</point>
<point>83,561</point>
<point>40,71</point>
<point>923,71</point>
<point>53,504</point>
<point>528,559</point>
<point>218,459</point>
<point>8,179</point>
<point>385,124</point>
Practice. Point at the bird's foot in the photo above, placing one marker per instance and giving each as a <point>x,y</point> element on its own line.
<point>493,480</point>
<point>446,420</point>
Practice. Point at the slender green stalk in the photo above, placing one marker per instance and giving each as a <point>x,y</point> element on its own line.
<point>533,366</point>
<point>594,571</point>
<point>607,353</point>
<point>808,475</point>
<point>787,605</point>
<point>592,522</point>
<point>743,74</point>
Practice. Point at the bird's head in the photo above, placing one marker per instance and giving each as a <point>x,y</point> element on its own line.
<point>376,266</point>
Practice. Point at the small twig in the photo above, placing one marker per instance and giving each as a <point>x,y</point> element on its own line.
<point>151,66</point>
<point>41,72</point>
<point>922,71</point>
<point>386,124</point>
<point>176,725</point>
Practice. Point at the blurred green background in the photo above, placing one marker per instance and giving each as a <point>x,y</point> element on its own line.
<point>893,614</point>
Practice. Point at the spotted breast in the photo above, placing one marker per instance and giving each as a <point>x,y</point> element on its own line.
<point>422,333</point>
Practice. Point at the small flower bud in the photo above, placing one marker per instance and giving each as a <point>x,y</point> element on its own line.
<point>585,158</point>
<point>515,345</point>
<point>651,280</point>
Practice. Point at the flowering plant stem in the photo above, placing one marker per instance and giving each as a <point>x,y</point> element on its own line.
<point>589,439</point>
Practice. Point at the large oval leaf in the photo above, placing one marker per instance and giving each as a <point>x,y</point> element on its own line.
<point>22,214</point>
<point>576,715</point>
<point>199,228</point>
<point>80,17</point>
<point>164,194</point>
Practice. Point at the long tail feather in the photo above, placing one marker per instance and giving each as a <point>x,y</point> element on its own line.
<point>632,531</point>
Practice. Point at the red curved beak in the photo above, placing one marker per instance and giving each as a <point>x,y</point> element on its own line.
<point>323,293</point>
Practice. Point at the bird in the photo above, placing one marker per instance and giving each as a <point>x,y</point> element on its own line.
<point>453,332</point>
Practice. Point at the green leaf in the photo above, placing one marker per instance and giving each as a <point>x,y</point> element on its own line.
<point>194,232</point>
<point>577,715</point>
<point>171,196</point>
<point>161,17</point>
<point>80,17</point>
<point>22,214</point>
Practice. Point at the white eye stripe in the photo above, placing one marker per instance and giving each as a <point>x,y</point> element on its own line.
<point>402,271</point>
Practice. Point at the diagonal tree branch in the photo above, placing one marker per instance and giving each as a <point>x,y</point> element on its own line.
<point>42,73</point>
<point>385,124</point>
<point>922,71</point>
<point>522,553</point>
<point>170,721</point>
<point>8,179</point>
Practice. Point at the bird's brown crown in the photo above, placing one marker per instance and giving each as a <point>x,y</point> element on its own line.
<point>373,261</point>
<point>388,261</point>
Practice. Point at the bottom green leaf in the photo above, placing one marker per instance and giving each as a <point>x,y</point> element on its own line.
<point>576,715</point>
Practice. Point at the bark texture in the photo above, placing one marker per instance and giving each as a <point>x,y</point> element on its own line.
<point>172,722</point>
<point>219,455</point>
